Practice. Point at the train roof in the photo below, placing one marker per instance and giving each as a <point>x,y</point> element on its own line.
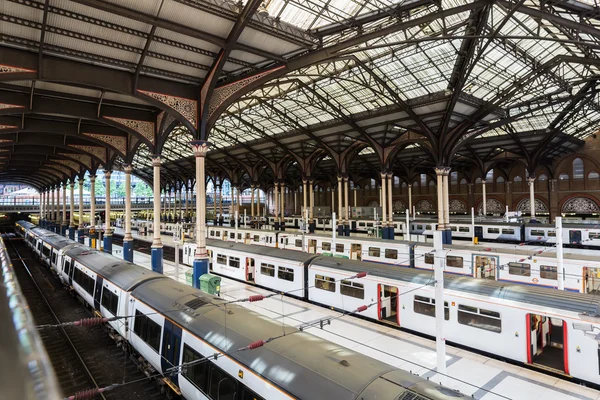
<point>124,274</point>
<point>304,365</point>
<point>26,224</point>
<point>53,239</point>
<point>289,255</point>
<point>569,225</point>
<point>551,298</point>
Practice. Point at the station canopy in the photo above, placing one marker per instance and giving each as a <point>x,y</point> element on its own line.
<point>286,88</point>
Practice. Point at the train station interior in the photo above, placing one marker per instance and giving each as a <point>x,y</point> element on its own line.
<point>300,199</point>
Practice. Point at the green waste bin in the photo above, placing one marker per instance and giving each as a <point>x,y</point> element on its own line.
<point>210,284</point>
<point>189,278</point>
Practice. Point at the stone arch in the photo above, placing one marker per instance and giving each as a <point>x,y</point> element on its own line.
<point>398,205</point>
<point>425,205</point>
<point>493,205</point>
<point>457,205</point>
<point>524,205</point>
<point>580,204</point>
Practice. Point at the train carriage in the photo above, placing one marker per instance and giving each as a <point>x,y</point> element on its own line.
<point>534,326</point>
<point>576,235</point>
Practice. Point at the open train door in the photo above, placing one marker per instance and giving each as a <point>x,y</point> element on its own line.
<point>249,269</point>
<point>547,343</point>
<point>574,236</point>
<point>388,304</point>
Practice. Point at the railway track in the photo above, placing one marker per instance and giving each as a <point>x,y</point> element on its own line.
<point>84,358</point>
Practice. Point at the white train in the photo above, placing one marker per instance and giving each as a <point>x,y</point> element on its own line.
<point>536,266</point>
<point>207,351</point>
<point>538,327</point>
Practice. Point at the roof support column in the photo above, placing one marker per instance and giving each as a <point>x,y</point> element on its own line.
<point>80,230</point>
<point>128,238</point>
<point>180,204</point>
<point>157,247</point>
<point>107,229</point>
<point>41,222</point>
<point>58,214</point>
<point>447,237</point>
<point>282,224</point>
<point>384,205</point>
<point>440,197</point>
<point>276,205</point>
<point>92,202</point>
<point>409,197</point>
<point>390,206</point>
<point>347,209</point>
<point>484,198</point>
<point>63,228</point>
<point>187,205</point>
<point>252,202</point>
<point>220,205</point>
<point>72,211</point>
<point>312,224</point>
<point>340,216</point>
<point>531,181</point>
<point>200,266</point>
<point>52,209</point>
<point>215,217</point>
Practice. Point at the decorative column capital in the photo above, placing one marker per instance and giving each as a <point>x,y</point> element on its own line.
<point>531,180</point>
<point>72,184</point>
<point>81,181</point>
<point>107,174</point>
<point>155,160</point>
<point>440,170</point>
<point>200,147</point>
<point>483,181</point>
<point>128,168</point>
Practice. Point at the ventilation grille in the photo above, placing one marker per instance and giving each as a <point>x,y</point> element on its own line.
<point>411,396</point>
<point>196,303</point>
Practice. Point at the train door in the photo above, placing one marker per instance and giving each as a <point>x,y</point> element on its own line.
<point>171,346</point>
<point>249,269</point>
<point>479,232</point>
<point>574,236</point>
<point>353,226</point>
<point>591,278</point>
<point>356,251</point>
<point>98,292</point>
<point>546,343</point>
<point>312,246</point>
<point>388,303</point>
<point>484,266</point>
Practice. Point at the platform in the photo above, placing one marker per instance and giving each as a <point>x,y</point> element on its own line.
<point>473,374</point>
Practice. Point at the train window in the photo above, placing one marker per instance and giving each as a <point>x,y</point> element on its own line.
<point>538,232</point>
<point>520,269</point>
<point>548,272</point>
<point>298,243</point>
<point>427,227</point>
<point>479,318</point>
<point>256,238</point>
<point>454,261</point>
<point>493,230</point>
<point>339,247</point>
<point>196,370</point>
<point>453,228</point>
<point>53,258</point>
<point>391,254</point>
<point>211,233</point>
<point>86,282</point>
<point>221,259</point>
<point>147,330</point>
<point>326,246</point>
<point>419,227</point>
<point>67,267</point>
<point>429,258</point>
<point>46,251</point>
<point>594,235</point>
<point>374,252</point>
<point>287,274</point>
<point>325,283</point>
<point>110,300</point>
<point>352,289</point>
<point>464,229</point>
<point>426,306</point>
<point>232,235</point>
<point>369,224</point>
<point>222,385</point>
<point>234,262</point>
<point>267,269</point>
<point>508,231</point>
<point>551,233</point>
<point>239,236</point>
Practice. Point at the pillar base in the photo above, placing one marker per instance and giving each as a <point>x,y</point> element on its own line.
<point>340,230</point>
<point>391,233</point>
<point>347,230</point>
<point>63,230</point>
<point>80,235</point>
<point>447,236</point>
<point>282,226</point>
<point>200,268</point>
<point>128,250</point>
<point>276,225</point>
<point>157,259</point>
<point>220,221</point>
<point>311,227</point>
<point>215,222</point>
<point>108,244</point>
<point>72,232</point>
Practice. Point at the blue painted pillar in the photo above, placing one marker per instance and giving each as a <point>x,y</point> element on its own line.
<point>128,239</point>
<point>80,235</point>
<point>108,243</point>
<point>200,268</point>
<point>157,247</point>
<point>200,265</point>
<point>391,233</point>
<point>128,250</point>
<point>63,230</point>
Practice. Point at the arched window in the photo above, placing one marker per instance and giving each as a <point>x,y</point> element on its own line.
<point>415,184</point>
<point>563,177</point>
<point>431,183</point>
<point>490,176</point>
<point>518,179</point>
<point>463,181</point>
<point>543,177</point>
<point>454,178</point>
<point>423,179</point>
<point>396,181</point>
<point>373,184</point>
<point>478,180</point>
<point>404,184</point>
<point>578,172</point>
<point>593,175</point>
<point>500,179</point>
